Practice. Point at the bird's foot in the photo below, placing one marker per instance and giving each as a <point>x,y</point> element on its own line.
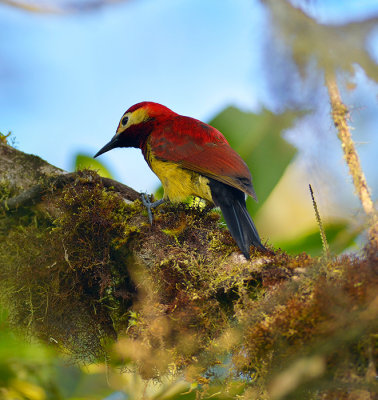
<point>150,205</point>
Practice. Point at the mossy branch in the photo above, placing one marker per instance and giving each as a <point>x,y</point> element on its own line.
<point>33,195</point>
<point>83,270</point>
<point>340,116</point>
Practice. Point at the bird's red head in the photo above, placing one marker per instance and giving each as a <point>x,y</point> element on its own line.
<point>136,124</point>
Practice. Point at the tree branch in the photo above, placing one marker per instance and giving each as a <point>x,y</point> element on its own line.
<point>24,173</point>
<point>34,194</point>
<point>89,271</point>
<point>340,115</point>
<point>67,7</point>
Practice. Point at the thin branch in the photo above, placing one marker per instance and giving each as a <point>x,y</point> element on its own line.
<point>67,7</point>
<point>340,115</point>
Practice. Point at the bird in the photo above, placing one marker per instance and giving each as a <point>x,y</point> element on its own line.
<point>190,158</point>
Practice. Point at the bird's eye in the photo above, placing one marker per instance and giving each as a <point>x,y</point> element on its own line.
<point>124,120</point>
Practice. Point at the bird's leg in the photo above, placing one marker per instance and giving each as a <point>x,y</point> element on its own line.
<point>147,203</point>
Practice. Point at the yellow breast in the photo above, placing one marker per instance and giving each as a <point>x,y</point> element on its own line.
<point>179,183</point>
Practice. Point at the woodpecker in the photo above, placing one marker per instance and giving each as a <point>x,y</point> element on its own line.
<point>191,158</point>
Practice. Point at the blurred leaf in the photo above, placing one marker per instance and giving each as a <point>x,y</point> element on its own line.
<point>332,46</point>
<point>338,235</point>
<point>6,374</point>
<point>257,138</point>
<point>159,192</point>
<point>83,161</point>
<point>33,371</point>
<point>28,390</point>
<point>12,347</point>
<point>16,357</point>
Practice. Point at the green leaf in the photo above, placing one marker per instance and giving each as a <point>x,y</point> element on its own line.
<point>257,138</point>
<point>339,237</point>
<point>159,192</point>
<point>83,161</point>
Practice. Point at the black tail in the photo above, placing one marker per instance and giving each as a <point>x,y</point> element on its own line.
<point>232,204</point>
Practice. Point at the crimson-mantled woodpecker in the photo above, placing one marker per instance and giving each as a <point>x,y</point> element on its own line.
<point>191,158</point>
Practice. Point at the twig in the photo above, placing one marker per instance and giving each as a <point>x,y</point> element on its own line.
<point>67,7</point>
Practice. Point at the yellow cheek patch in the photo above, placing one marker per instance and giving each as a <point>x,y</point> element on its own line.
<point>134,118</point>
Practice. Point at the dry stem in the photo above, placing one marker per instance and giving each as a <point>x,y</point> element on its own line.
<point>320,224</point>
<point>340,115</point>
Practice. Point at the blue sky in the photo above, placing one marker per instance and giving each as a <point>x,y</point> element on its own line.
<point>66,80</point>
<point>69,79</point>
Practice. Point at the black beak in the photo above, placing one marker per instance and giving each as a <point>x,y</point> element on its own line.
<point>111,145</point>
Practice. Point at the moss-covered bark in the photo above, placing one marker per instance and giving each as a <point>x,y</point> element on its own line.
<point>82,269</point>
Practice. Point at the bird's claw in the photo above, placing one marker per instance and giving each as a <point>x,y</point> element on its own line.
<point>147,203</point>
<point>150,205</point>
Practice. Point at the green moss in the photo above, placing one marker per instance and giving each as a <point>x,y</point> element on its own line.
<point>4,138</point>
<point>322,314</point>
<point>71,272</point>
<point>5,190</point>
<point>178,295</point>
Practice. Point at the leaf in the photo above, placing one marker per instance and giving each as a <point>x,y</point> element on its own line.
<point>159,192</point>
<point>338,235</point>
<point>257,138</point>
<point>83,161</point>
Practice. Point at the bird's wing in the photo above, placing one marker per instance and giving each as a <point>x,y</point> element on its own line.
<point>201,148</point>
